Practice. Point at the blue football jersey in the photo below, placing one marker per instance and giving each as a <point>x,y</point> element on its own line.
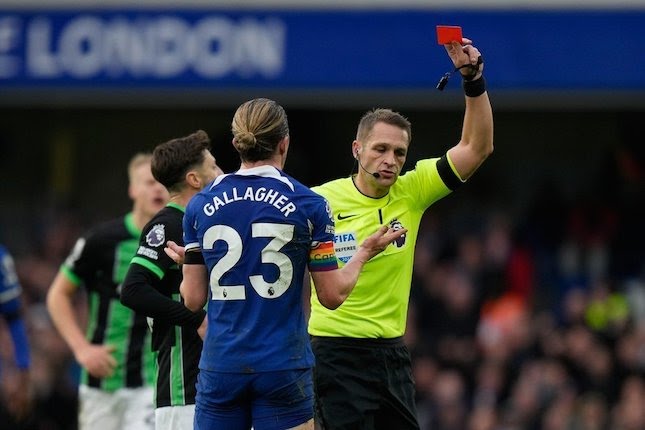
<point>256,229</point>
<point>10,309</point>
<point>9,285</point>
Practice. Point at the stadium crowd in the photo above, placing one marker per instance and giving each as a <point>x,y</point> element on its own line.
<point>518,321</point>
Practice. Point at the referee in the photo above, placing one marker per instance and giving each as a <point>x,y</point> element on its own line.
<point>362,376</point>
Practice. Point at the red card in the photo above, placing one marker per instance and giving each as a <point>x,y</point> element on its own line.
<point>448,33</point>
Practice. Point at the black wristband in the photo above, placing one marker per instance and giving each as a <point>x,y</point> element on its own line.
<point>194,257</point>
<point>475,88</point>
<point>474,69</point>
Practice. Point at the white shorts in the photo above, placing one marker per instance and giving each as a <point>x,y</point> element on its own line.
<point>123,409</point>
<point>175,417</point>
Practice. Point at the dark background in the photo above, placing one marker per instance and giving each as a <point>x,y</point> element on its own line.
<point>75,159</point>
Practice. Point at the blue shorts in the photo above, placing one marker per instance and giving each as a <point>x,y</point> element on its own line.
<point>267,401</point>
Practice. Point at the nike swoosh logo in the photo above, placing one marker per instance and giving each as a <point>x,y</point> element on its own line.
<point>340,217</point>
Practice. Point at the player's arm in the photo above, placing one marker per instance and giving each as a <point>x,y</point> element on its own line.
<point>139,293</point>
<point>10,309</point>
<point>19,394</point>
<point>476,142</point>
<point>13,317</point>
<point>20,397</point>
<point>194,285</point>
<point>97,359</point>
<point>334,285</point>
<point>177,253</point>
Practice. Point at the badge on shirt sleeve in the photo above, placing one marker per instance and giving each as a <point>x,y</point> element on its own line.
<point>345,245</point>
<point>329,212</point>
<point>156,236</point>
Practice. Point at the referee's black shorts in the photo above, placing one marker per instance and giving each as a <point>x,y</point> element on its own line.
<point>363,384</point>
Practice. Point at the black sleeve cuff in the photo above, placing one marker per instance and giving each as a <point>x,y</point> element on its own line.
<point>194,257</point>
<point>447,175</point>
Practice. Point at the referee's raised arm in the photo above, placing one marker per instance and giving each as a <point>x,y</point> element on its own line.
<point>476,142</point>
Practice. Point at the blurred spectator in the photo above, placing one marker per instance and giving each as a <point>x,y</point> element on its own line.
<point>490,385</point>
<point>448,403</point>
<point>629,413</point>
<point>591,412</point>
<point>607,311</point>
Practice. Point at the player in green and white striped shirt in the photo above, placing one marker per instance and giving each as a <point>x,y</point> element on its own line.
<point>184,166</point>
<point>116,390</point>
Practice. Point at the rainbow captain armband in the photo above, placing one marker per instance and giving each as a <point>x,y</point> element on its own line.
<point>322,257</point>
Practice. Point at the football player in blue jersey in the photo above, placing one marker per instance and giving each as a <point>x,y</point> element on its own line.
<point>249,237</point>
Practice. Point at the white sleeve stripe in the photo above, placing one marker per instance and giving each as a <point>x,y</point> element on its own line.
<point>193,245</point>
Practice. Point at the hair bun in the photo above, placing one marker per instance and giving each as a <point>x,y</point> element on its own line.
<point>245,140</point>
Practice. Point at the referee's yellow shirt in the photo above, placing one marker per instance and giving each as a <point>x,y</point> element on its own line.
<point>377,307</point>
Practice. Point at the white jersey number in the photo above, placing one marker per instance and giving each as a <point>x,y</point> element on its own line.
<point>280,235</point>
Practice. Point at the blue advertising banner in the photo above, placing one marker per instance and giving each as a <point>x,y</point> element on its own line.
<point>316,49</point>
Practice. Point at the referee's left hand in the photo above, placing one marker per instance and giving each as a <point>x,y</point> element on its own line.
<point>465,53</point>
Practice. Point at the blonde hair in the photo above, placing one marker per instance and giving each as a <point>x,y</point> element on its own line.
<point>258,126</point>
<point>137,160</point>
